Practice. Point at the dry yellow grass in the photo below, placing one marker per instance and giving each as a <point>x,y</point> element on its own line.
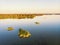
<point>17,16</point>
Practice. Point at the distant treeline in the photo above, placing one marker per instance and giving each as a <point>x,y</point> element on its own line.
<point>15,16</point>
<point>21,16</point>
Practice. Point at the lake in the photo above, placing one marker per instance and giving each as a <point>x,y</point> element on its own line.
<point>47,32</point>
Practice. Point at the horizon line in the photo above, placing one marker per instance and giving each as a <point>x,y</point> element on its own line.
<point>33,13</point>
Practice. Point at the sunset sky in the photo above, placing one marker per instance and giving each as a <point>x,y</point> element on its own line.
<point>29,6</point>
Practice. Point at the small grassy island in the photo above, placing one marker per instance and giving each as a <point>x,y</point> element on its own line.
<point>10,28</point>
<point>37,23</point>
<point>23,33</point>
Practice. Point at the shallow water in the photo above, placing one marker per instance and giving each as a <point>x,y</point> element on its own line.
<point>45,33</point>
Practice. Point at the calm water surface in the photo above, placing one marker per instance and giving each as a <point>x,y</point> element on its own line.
<point>45,33</point>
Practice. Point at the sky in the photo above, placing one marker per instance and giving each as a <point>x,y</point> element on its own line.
<point>29,6</point>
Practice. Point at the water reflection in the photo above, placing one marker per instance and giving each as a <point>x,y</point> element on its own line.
<point>46,33</point>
